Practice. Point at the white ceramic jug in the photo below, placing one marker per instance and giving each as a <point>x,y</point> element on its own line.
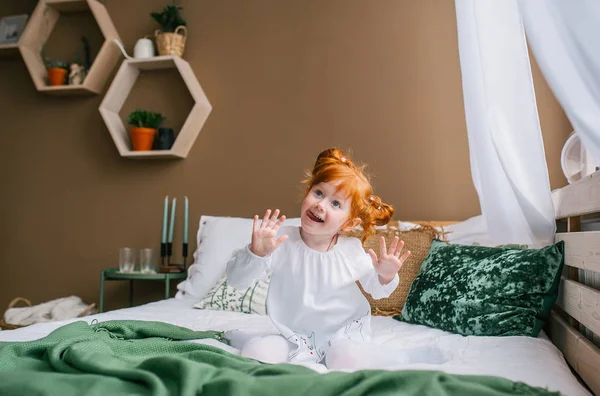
<point>144,48</point>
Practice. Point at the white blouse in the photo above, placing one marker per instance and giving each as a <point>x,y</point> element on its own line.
<point>313,299</point>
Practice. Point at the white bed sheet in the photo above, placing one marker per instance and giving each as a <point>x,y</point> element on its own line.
<point>535,361</point>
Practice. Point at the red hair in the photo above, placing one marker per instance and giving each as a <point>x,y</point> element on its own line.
<point>333,166</point>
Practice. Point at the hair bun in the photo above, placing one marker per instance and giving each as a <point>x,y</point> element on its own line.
<point>332,153</point>
<point>383,213</point>
<point>329,157</point>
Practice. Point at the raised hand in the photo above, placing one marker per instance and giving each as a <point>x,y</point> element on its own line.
<point>388,264</point>
<point>263,236</point>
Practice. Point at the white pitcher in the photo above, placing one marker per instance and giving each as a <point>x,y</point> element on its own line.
<point>144,48</point>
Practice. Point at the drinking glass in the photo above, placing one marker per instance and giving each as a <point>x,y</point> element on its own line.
<point>126,259</point>
<point>148,260</point>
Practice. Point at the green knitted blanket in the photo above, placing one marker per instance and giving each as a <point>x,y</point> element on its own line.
<point>150,358</point>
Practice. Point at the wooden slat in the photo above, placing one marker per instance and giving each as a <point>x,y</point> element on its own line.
<point>574,225</point>
<point>582,249</point>
<point>581,354</point>
<point>580,302</point>
<point>579,198</point>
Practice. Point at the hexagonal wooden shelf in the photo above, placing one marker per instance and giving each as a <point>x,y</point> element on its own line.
<point>9,49</point>
<point>122,86</point>
<point>38,30</point>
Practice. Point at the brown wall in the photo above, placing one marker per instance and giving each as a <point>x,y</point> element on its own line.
<point>286,79</point>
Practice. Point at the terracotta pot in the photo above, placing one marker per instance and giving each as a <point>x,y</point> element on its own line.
<point>57,76</point>
<point>142,139</point>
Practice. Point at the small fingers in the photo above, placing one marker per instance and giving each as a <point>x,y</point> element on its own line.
<point>279,223</point>
<point>382,248</point>
<point>398,249</point>
<point>273,219</point>
<point>265,220</point>
<point>373,257</point>
<point>282,239</point>
<point>394,245</point>
<point>255,223</point>
<point>405,256</point>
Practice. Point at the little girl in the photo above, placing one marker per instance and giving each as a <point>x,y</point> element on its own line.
<point>313,299</point>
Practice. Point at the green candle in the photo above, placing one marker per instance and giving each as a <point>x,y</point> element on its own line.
<point>172,220</point>
<point>185,222</point>
<point>164,225</point>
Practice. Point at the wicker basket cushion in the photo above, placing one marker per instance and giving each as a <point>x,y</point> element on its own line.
<point>418,241</point>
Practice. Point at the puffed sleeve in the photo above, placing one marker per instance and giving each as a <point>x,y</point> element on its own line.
<point>365,272</point>
<point>370,283</point>
<point>245,268</point>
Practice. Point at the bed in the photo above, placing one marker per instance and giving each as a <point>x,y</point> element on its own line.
<point>535,361</point>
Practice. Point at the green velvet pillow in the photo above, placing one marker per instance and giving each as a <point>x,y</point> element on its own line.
<point>485,291</point>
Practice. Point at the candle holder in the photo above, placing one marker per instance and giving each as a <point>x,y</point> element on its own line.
<point>172,268</point>
<point>166,246</point>
<point>185,253</point>
<point>163,253</point>
<point>169,252</point>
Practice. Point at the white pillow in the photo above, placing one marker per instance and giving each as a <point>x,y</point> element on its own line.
<point>222,297</point>
<point>217,240</point>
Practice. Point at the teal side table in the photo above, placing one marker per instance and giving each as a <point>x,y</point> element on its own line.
<point>110,274</point>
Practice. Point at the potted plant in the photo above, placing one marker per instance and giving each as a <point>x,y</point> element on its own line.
<point>57,71</point>
<point>170,38</point>
<point>143,128</point>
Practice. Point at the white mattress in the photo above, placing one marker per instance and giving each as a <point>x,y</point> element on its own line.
<point>536,362</point>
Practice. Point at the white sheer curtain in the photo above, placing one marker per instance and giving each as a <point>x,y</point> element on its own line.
<point>565,38</point>
<point>505,141</point>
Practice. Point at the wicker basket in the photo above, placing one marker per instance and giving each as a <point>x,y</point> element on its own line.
<point>171,43</point>
<point>418,241</point>
<point>8,326</point>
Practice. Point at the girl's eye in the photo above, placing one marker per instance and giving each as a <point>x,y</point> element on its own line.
<point>318,193</point>
<point>336,204</point>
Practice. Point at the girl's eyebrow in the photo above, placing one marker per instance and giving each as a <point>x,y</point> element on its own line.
<point>340,196</point>
<point>337,194</point>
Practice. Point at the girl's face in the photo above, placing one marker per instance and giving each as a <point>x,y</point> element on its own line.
<point>324,211</point>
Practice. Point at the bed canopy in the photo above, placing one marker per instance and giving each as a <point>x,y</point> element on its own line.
<point>505,141</point>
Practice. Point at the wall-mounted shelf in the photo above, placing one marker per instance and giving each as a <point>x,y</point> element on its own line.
<point>38,30</point>
<point>9,49</point>
<point>121,88</point>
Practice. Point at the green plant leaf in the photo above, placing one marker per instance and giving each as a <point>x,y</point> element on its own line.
<point>145,119</point>
<point>169,19</point>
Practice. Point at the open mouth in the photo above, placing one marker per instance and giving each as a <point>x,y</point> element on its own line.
<point>314,217</point>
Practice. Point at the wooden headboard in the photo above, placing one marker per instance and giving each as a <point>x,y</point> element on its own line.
<point>577,303</point>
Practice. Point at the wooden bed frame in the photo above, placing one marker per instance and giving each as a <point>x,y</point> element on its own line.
<point>577,304</point>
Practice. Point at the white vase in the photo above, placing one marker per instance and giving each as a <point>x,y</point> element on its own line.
<point>144,48</point>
